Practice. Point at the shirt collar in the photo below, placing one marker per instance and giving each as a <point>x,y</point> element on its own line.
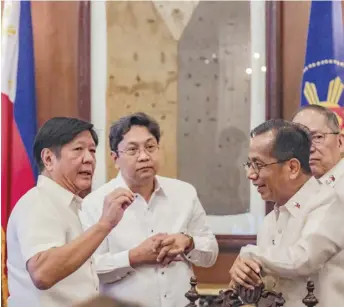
<point>59,193</point>
<point>300,199</point>
<point>333,174</point>
<point>120,182</point>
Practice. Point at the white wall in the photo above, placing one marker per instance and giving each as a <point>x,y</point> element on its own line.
<point>98,85</point>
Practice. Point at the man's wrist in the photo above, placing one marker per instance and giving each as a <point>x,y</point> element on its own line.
<point>104,226</point>
<point>134,257</point>
<point>190,246</point>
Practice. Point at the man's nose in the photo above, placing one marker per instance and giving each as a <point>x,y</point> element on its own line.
<point>251,174</point>
<point>89,157</point>
<point>143,155</point>
<point>313,148</point>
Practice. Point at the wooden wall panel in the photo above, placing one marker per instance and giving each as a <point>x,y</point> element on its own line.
<point>219,273</point>
<point>62,70</point>
<point>295,15</point>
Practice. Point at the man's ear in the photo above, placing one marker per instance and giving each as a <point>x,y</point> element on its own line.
<point>294,166</point>
<point>114,157</point>
<point>48,158</point>
<point>341,144</point>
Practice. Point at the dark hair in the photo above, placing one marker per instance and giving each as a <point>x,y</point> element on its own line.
<point>330,116</point>
<point>57,132</point>
<point>123,125</point>
<point>291,141</point>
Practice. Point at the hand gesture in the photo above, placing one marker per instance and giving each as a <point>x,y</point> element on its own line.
<point>114,206</point>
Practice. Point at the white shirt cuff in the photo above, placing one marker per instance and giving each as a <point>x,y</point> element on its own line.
<point>115,271</point>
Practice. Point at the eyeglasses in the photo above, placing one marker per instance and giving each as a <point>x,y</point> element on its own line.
<point>258,166</point>
<point>319,137</point>
<point>134,151</point>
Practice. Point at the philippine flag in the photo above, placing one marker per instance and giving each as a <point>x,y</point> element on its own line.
<point>18,113</point>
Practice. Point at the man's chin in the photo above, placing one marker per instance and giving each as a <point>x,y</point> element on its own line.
<point>84,184</point>
<point>317,171</point>
<point>266,197</point>
<point>146,176</point>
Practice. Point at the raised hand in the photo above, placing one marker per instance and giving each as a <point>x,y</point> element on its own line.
<point>115,203</point>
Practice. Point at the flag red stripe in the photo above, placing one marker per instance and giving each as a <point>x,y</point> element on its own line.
<point>16,176</point>
<point>6,128</point>
<point>22,177</point>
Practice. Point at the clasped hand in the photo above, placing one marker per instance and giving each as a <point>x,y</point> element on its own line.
<point>160,248</point>
<point>172,246</point>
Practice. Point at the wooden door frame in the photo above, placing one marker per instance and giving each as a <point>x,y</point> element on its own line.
<point>84,60</point>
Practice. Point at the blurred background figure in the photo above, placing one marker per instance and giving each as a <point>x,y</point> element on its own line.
<point>104,301</point>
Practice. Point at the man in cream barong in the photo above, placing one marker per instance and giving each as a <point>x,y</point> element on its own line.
<point>318,249</point>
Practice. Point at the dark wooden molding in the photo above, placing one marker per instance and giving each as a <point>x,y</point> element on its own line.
<point>233,243</point>
<point>274,94</point>
<point>84,66</point>
<point>84,61</point>
<point>274,59</point>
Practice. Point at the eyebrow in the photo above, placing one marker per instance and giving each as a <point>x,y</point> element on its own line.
<point>83,143</point>
<point>255,159</point>
<point>145,142</point>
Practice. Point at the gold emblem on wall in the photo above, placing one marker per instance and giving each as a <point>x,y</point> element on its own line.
<point>334,93</point>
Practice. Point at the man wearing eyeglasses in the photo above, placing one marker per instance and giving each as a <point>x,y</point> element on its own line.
<point>327,143</point>
<point>311,247</point>
<point>148,259</point>
<point>328,168</point>
<point>278,166</point>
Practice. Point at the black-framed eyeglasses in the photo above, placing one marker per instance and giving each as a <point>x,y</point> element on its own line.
<point>258,166</point>
<point>319,137</point>
<point>134,151</point>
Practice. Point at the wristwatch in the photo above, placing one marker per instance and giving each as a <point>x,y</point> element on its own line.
<point>191,245</point>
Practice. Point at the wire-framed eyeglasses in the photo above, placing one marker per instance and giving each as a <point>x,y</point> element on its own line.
<point>257,166</point>
<point>319,137</point>
<point>135,151</point>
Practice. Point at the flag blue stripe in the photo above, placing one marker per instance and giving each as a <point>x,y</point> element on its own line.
<point>325,48</point>
<point>25,99</point>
